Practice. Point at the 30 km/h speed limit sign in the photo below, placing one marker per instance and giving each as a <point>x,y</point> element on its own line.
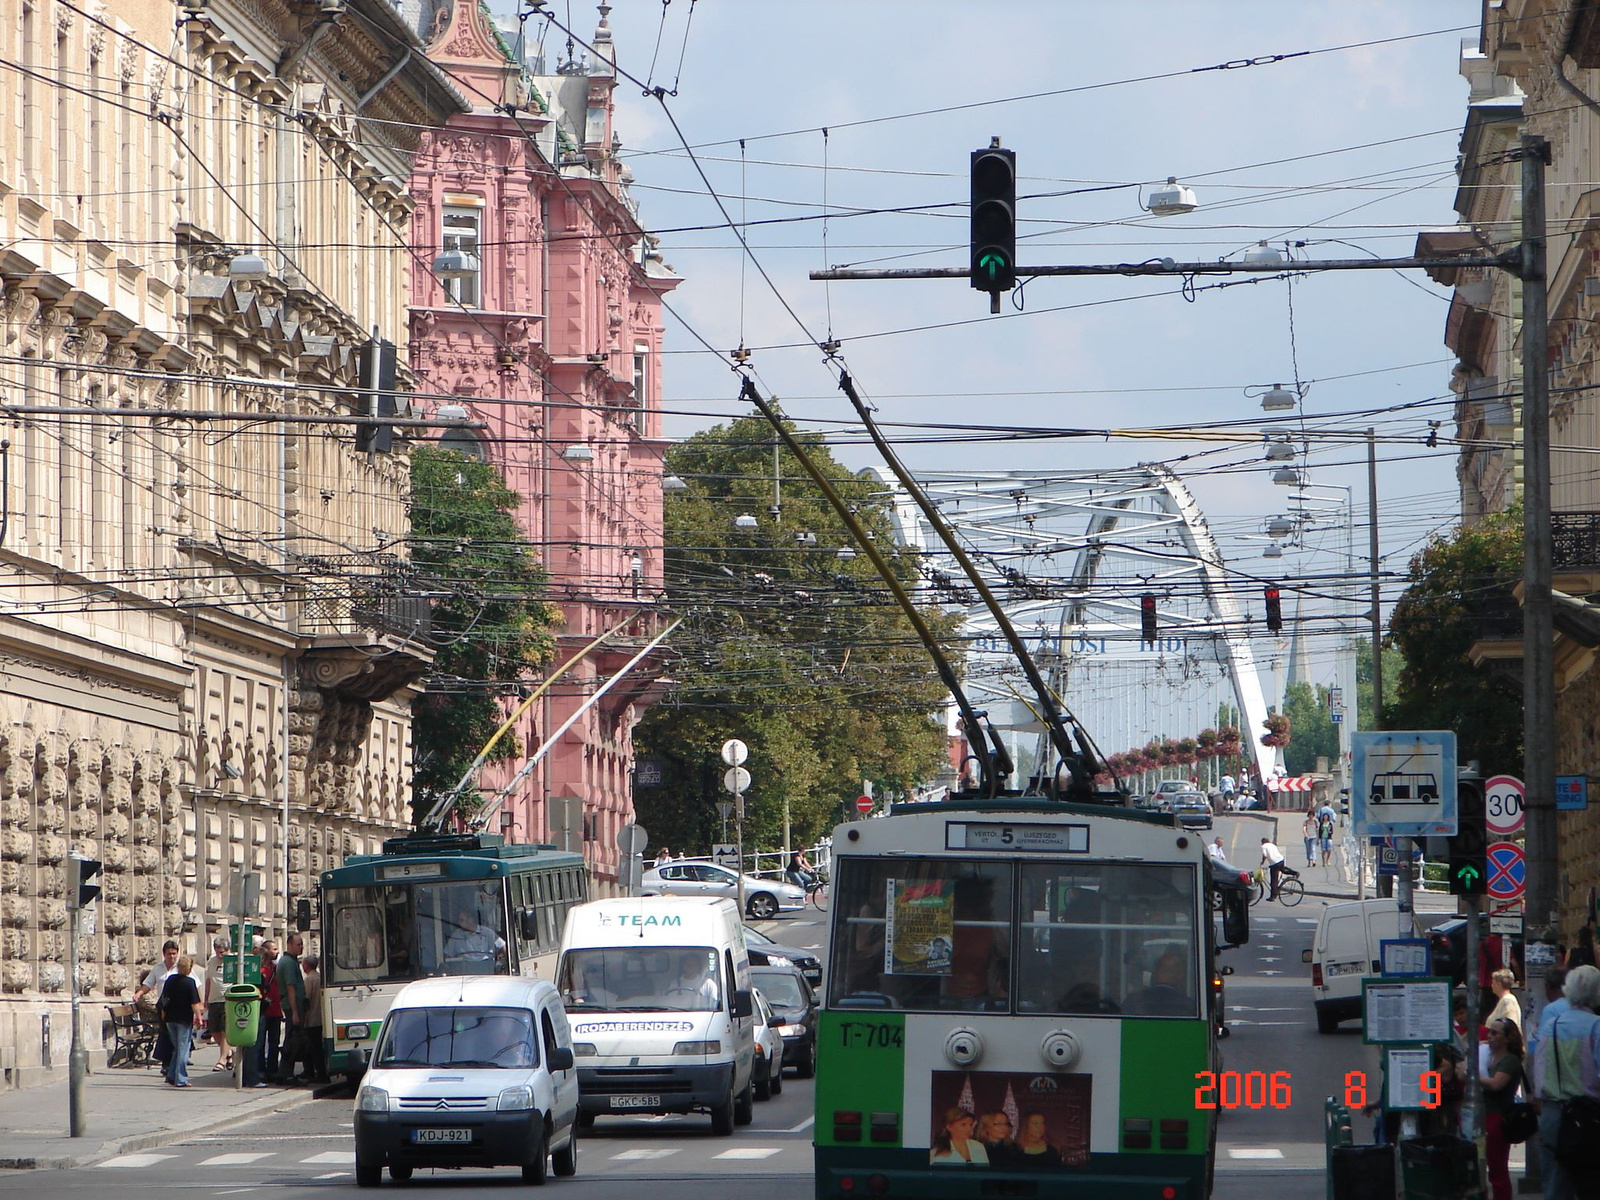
<point>1503,797</point>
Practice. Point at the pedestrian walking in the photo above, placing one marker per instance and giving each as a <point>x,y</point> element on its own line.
<point>216,983</point>
<point>1325,835</point>
<point>180,1009</point>
<point>1308,830</point>
<point>1500,1085</point>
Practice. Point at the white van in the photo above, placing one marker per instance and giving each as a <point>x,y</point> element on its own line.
<point>658,989</point>
<point>1344,952</point>
<point>470,1072</point>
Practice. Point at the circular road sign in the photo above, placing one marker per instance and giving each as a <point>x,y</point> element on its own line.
<point>1503,800</point>
<point>736,780</point>
<point>864,804</point>
<point>1508,872</point>
<point>734,752</point>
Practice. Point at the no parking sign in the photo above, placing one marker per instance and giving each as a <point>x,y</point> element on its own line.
<point>1508,871</point>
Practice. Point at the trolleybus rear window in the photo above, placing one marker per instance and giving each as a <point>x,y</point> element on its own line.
<point>1049,937</point>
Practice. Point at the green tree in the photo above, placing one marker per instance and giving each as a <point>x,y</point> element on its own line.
<point>489,629</point>
<point>1454,582</point>
<point>1314,733</point>
<point>1393,663</point>
<point>799,653</point>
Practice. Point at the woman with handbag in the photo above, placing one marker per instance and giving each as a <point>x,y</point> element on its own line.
<point>1499,1098</point>
<point>1568,1088</point>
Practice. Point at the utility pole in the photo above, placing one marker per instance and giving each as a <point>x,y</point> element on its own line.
<point>1375,615</point>
<point>1538,656</point>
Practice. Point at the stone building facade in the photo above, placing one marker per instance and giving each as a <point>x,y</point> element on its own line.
<point>554,344</point>
<point>207,657</point>
<point>1535,67</point>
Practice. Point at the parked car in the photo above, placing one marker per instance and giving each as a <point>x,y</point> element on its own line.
<point>794,1008</point>
<point>763,898</point>
<point>762,949</point>
<point>1169,786</point>
<point>1192,811</point>
<point>1448,941</point>
<point>767,1073</point>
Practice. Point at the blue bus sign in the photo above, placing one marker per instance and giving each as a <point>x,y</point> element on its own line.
<point>1405,783</point>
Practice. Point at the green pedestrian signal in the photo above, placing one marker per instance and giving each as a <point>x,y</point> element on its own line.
<point>994,219</point>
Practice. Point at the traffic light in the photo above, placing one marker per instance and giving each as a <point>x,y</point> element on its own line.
<point>1469,848</point>
<point>80,890</point>
<point>994,219</point>
<point>1147,618</point>
<point>1274,609</point>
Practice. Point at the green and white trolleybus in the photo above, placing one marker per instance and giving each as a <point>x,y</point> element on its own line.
<point>1022,997</point>
<point>435,904</point>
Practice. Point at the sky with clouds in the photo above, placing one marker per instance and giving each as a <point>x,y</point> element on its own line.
<point>1344,147</point>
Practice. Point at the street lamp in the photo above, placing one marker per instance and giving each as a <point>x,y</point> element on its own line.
<point>456,264</point>
<point>1278,398</point>
<point>1287,476</point>
<point>1173,200</point>
<point>744,521</point>
<point>673,484</point>
<point>578,453</point>
<point>1262,255</point>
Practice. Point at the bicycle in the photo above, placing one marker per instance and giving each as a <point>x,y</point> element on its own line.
<point>1290,888</point>
<point>817,892</point>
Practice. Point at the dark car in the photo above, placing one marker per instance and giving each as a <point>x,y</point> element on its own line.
<point>761,950</point>
<point>1448,940</point>
<point>1192,811</point>
<point>794,1011</point>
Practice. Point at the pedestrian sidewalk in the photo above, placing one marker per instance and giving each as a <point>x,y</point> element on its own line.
<point>126,1109</point>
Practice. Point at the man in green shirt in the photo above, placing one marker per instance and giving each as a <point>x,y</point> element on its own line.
<point>292,986</point>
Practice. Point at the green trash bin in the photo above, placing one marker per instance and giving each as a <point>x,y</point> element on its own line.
<point>241,1013</point>
<point>1440,1167</point>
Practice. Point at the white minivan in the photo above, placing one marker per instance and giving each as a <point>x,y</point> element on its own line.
<point>1345,951</point>
<point>658,991</point>
<point>472,1071</point>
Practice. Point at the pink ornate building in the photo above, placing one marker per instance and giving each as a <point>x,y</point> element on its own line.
<point>554,342</point>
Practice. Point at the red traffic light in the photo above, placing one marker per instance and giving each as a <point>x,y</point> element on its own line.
<point>1147,617</point>
<point>1274,608</point>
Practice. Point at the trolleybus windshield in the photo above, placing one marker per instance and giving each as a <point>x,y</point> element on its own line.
<point>411,930</point>
<point>1046,937</point>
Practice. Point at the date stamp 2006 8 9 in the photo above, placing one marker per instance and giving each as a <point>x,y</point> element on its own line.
<point>1257,1089</point>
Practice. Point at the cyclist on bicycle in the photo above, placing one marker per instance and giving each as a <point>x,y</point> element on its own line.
<point>1272,858</point>
<point>799,871</point>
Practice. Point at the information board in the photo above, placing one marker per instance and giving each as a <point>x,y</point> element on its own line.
<point>1405,1011</point>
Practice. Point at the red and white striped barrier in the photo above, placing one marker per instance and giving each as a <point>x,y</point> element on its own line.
<point>1297,783</point>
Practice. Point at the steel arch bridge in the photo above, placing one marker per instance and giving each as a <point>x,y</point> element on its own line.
<point>1069,555</point>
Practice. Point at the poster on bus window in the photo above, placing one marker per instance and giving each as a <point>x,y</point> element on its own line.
<point>1009,1120</point>
<point>919,931</point>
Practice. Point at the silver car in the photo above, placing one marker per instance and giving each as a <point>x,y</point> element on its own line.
<point>763,898</point>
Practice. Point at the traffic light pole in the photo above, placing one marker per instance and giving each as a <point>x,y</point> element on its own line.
<point>77,1054</point>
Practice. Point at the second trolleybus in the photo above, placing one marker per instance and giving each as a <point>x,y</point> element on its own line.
<point>1023,997</point>
<point>446,904</point>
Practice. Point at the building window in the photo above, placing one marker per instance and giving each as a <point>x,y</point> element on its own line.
<point>460,232</point>
<point>641,359</point>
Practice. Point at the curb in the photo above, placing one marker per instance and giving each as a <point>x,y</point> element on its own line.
<point>150,1141</point>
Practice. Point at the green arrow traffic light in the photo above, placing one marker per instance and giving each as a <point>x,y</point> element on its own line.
<point>994,264</point>
<point>1468,874</point>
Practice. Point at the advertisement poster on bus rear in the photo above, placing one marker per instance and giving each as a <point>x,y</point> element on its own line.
<point>919,935</point>
<point>1007,1120</point>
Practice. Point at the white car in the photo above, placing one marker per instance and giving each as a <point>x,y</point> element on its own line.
<point>768,1072</point>
<point>763,898</point>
